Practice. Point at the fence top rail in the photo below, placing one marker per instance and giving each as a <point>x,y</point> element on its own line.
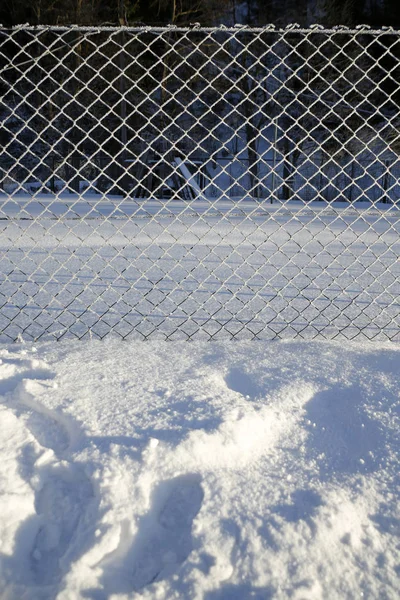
<point>294,27</point>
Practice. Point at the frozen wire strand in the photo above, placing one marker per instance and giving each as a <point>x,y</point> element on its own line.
<point>48,51</point>
<point>269,28</point>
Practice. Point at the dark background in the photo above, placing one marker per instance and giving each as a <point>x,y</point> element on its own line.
<point>206,12</point>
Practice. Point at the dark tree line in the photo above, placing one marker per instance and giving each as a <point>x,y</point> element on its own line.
<point>206,12</point>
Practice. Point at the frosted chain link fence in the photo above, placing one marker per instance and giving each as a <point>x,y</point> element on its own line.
<point>199,183</point>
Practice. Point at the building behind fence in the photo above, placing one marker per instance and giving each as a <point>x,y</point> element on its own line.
<point>199,182</point>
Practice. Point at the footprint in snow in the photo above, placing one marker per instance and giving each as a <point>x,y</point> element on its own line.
<point>64,497</point>
<point>49,427</point>
<point>23,380</point>
<point>163,540</point>
<point>239,381</point>
<point>14,369</point>
<point>342,432</point>
<point>60,504</point>
<point>64,491</point>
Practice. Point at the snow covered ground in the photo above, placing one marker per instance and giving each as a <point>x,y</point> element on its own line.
<point>215,471</point>
<point>81,266</point>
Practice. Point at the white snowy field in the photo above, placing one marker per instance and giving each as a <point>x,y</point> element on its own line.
<point>212,471</point>
<point>203,269</point>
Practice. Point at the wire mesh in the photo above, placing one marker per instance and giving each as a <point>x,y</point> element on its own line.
<point>199,183</point>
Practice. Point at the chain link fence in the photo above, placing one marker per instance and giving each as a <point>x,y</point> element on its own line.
<point>194,183</point>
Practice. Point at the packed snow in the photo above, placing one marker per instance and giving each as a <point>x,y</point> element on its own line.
<point>199,470</point>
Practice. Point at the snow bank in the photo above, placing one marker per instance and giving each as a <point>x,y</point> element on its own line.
<point>195,470</point>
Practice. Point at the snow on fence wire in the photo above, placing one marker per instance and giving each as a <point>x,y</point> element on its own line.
<point>193,183</point>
